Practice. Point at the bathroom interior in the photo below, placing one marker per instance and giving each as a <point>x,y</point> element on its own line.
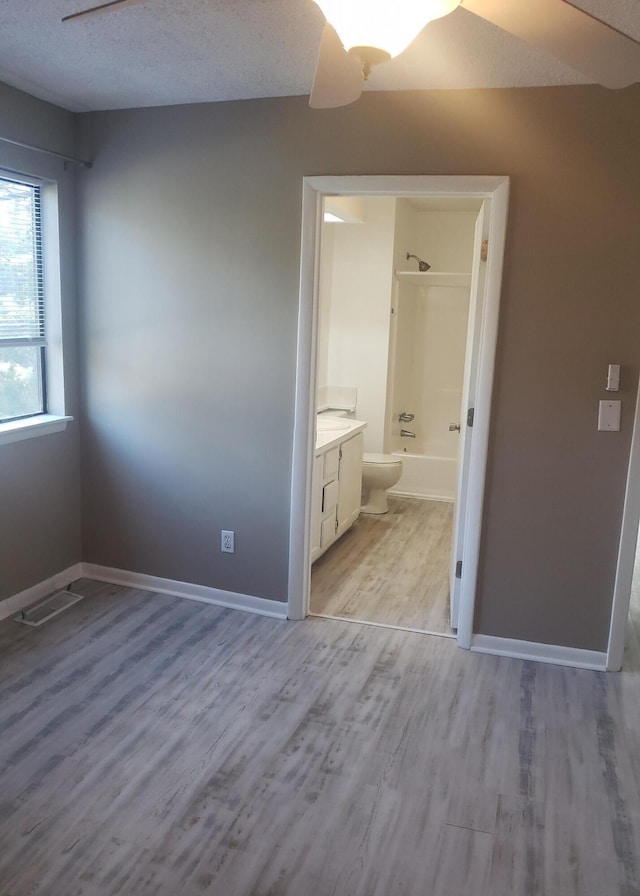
<point>393,321</point>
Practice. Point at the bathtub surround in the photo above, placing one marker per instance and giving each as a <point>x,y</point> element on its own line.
<point>426,475</point>
<point>427,342</point>
<point>428,336</point>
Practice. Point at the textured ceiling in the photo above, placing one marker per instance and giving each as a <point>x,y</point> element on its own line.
<point>162,52</point>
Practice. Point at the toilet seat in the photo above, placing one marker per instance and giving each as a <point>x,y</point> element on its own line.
<point>380,459</point>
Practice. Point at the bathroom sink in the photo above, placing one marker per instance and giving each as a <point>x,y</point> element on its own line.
<point>331,424</point>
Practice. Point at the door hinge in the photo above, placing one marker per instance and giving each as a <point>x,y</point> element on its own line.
<point>336,524</point>
<point>484,250</point>
<point>470,415</point>
<point>340,453</point>
<point>459,569</point>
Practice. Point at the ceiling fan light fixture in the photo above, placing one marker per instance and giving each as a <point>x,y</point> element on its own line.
<point>381,24</point>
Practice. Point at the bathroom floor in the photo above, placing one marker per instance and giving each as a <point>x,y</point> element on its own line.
<point>391,569</point>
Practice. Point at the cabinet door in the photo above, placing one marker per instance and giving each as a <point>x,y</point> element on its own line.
<point>331,464</point>
<point>327,532</point>
<point>350,482</point>
<point>330,498</point>
<point>316,506</point>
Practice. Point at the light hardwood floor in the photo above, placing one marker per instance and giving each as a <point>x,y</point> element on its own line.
<point>391,569</point>
<point>152,746</point>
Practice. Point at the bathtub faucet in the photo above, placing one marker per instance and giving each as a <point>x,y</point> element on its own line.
<point>406,418</point>
<point>407,434</point>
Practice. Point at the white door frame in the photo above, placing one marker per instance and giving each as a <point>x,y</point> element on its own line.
<point>626,552</point>
<point>313,191</point>
<point>469,384</point>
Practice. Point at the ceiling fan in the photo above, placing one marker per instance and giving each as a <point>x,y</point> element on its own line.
<point>360,34</point>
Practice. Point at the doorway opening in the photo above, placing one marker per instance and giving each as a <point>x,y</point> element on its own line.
<point>393,330</point>
<point>394,336</point>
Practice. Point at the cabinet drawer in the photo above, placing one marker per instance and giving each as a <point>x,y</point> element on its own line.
<point>327,531</point>
<point>330,496</point>
<point>331,463</point>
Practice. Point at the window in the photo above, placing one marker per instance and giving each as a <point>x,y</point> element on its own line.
<point>22,323</point>
<point>32,390</point>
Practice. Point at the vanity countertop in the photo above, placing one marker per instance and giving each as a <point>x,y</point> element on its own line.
<point>331,431</point>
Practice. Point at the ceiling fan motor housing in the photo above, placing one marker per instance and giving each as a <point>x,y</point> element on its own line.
<point>368,57</point>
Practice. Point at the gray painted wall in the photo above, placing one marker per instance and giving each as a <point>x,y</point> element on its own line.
<point>191,244</point>
<point>40,526</point>
<point>190,284</point>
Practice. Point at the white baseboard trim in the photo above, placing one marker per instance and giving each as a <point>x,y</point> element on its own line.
<point>230,599</point>
<point>522,650</point>
<point>11,605</point>
<point>541,653</point>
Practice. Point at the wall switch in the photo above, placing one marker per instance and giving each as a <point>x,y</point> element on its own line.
<point>613,378</point>
<point>609,416</point>
<point>227,541</point>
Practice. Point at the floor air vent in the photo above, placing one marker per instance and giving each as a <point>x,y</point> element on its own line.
<point>48,608</point>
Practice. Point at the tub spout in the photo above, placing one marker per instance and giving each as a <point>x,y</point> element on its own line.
<point>407,434</point>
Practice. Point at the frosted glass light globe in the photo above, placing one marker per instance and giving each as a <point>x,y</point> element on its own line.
<point>389,25</point>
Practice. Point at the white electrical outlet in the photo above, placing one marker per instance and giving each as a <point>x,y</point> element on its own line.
<point>609,416</point>
<point>227,541</point>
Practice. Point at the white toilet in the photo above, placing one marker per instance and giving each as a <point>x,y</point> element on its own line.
<point>379,472</point>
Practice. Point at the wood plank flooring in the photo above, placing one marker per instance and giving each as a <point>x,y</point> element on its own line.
<point>391,569</point>
<point>152,746</point>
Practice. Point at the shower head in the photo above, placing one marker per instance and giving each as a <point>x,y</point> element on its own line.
<point>423,266</point>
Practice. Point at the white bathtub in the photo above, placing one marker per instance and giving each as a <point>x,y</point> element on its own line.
<point>427,475</point>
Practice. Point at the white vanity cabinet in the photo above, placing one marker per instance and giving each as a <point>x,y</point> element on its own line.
<point>336,487</point>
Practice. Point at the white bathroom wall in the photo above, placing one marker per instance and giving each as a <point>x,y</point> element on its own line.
<point>355,308</point>
<point>406,236</point>
<point>444,239</point>
<point>324,310</point>
<point>349,208</point>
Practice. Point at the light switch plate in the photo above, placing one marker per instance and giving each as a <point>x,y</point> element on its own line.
<point>613,378</point>
<point>609,416</point>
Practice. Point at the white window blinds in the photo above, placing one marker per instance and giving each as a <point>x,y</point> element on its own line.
<point>21,293</point>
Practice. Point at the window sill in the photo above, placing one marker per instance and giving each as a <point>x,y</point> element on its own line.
<point>17,430</point>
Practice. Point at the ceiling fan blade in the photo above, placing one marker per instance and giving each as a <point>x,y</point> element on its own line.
<point>593,48</point>
<point>338,80</point>
<point>97,10</point>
